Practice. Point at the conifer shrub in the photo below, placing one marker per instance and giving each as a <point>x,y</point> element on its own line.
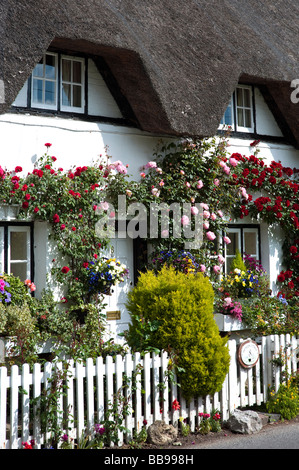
<point>238,263</point>
<point>173,310</point>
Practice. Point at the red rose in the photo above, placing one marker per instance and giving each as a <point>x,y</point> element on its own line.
<point>293,250</point>
<point>36,209</point>
<point>62,227</point>
<point>25,205</point>
<point>280,278</point>
<point>48,145</point>
<point>85,265</point>
<point>56,218</point>
<point>27,197</point>
<point>18,169</point>
<point>65,269</point>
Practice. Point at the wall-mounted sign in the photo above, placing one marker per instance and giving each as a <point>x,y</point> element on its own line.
<point>248,353</point>
<point>113,315</point>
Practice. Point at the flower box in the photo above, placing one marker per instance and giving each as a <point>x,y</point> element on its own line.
<point>228,323</point>
<point>7,342</point>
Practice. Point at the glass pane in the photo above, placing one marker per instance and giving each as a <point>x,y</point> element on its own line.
<point>247,115</point>
<point>66,70</point>
<point>77,78</point>
<point>228,264</point>
<point>50,67</point>
<point>240,117</point>
<point>250,243</point>
<point>239,97</point>
<point>77,96</point>
<point>232,247</point>
<point>39,69</point>
<point>37,91</point>
<point>66,95</point>
<point>19,270</point>
<point>246,96</point>
<point>49,92</point>
<point>18,245</point>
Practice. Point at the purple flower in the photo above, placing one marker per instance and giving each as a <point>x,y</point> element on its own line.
<point>99,429</point>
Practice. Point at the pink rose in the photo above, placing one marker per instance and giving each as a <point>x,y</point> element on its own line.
<point>185,220</point>
<point>233,161</point>
<point>211,235</point>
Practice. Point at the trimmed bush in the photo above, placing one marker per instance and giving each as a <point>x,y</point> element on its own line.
<point>173,310</point>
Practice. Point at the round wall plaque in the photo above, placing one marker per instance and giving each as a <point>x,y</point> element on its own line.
<point>248,353</point>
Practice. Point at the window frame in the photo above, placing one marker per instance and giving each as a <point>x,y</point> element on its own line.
<point>5,255</point>
<point>43,105</point>
<point>59,107</point>
<point>236,107</point>
<point>72,109</point>
<point>234,126</point>
<point>242,229</point>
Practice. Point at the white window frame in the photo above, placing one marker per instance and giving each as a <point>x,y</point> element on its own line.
<point>250,108</point>
<point>25,229</point>
<point>241,242</point>
<point>58,106</point>
<point>44,105</point>
<point>74,109</point>
<point>233,104</point>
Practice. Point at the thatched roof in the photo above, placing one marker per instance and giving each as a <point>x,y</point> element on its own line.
<point>176,62</point>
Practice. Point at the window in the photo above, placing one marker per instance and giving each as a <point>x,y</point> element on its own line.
<point>44,83</point>
<point>72,84</point>
<point>15,250</point>
<point>239,113</point>
<point>246,240</point>
<point>64,90</point>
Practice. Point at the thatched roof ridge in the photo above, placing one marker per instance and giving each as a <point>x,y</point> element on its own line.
<point>176,62</point>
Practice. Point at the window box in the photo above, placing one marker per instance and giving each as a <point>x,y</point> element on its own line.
<point>228,323</point>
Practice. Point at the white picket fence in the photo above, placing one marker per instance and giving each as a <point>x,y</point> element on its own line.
<point>91,386</point>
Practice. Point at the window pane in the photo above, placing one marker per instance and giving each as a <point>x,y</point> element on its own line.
<point>234,245</point>
<point>66,95</point>
<point>77,96</point>
<point>240,117</point>
<point>50,67</point>
<point>37,91</point>
<point>38,69</point>
<point>77,72</point>
<point>19,270</point>
<point>239,97</point>
<point>66,70</point>
<point>227,118</point>
<point>246,97</point>
<point>18,245</point>
<point>247,115</point>
<point>250,243</point>
<point>50,92</point>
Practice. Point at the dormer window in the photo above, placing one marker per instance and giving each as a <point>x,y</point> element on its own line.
<point>64,85</point>
<point>239,113</point>
<point>58,85</point>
